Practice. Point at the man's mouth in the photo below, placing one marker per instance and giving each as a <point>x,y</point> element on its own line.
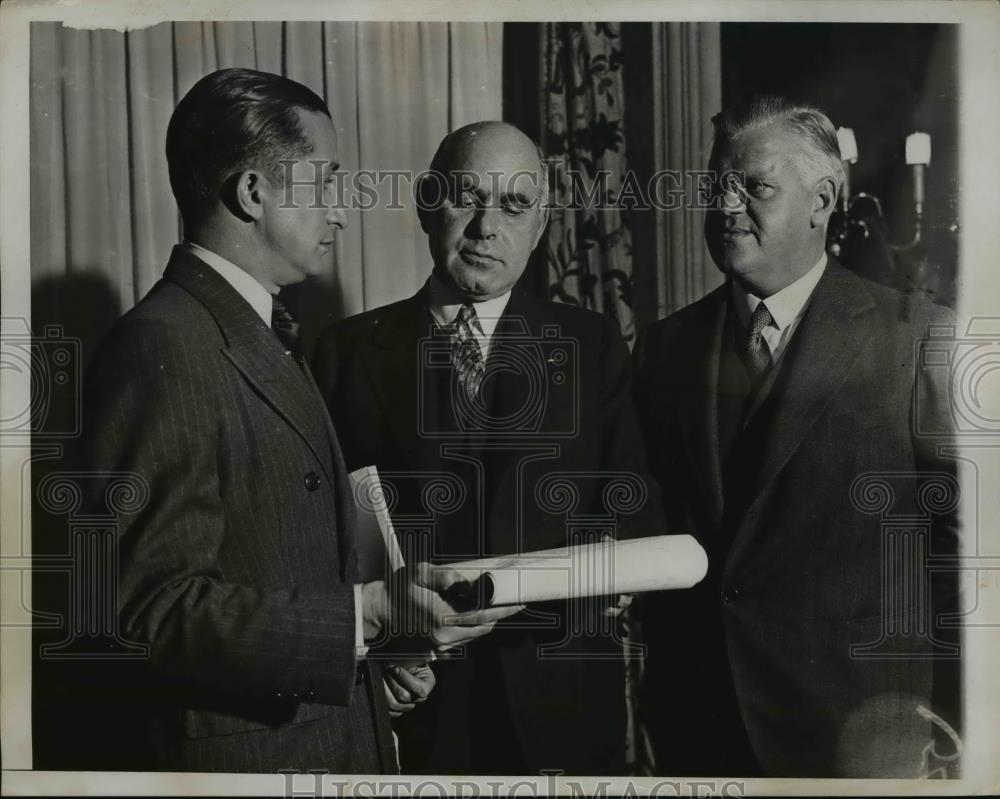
<point>735,233</point>
<point>475,256</point>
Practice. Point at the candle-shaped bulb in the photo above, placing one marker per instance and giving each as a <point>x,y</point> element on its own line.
<point>848,145</point>
<point>918,148</point>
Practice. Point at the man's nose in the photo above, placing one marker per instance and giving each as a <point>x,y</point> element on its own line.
<point>336,217</point>
<point>732,201</point>
<point>485,223</point>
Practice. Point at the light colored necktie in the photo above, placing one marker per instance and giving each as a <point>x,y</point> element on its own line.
<point>466,356</point>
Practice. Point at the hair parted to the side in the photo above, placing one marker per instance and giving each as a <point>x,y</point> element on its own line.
<point>230,121</point>
<point>820,152</point>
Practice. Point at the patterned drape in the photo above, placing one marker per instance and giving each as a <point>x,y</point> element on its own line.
<point>589,252</point>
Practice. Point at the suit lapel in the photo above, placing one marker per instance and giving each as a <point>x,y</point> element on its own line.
<point>826,344</point>
<point>395,370</point>
<point>256,353</point>
<point>695,382</point>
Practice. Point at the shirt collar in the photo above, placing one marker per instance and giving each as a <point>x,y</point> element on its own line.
<point>247,287</point>
<point>444,303</point>
<point>786,305</point>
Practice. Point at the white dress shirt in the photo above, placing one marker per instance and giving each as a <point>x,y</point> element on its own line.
<point>445,303</point>
<point>261,301</point>
<point>245,284</point>
<point>786,307</point>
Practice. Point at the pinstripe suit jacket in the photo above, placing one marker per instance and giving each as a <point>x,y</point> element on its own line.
<point>238,570</point>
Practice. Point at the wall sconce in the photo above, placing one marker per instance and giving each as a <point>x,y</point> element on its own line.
<point>853,208</point>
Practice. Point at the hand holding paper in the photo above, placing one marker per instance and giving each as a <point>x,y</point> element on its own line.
<point>608,567</point>
<point>408,611</point>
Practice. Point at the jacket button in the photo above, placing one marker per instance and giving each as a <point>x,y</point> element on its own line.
<point>312,481</point>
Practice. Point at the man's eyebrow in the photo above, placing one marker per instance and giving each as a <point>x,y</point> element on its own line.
<point>520,198</point>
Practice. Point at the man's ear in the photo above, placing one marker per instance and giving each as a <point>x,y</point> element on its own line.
<point>824,201</point>
<point>249,189</point>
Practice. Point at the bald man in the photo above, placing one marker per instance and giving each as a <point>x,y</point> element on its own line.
<point>474,386</point>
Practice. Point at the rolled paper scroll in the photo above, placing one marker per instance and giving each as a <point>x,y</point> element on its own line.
<point>636,565</point>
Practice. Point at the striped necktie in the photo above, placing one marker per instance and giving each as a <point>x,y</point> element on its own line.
<point>286,328</point>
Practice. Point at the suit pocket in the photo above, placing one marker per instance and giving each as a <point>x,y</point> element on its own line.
<point>210,723</point>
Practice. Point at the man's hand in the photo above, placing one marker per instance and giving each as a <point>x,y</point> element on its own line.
<point>407,686</point>
<point>409,608</point>
<point>614,611</point>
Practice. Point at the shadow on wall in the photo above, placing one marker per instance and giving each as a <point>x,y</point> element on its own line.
<point>70,315</point>
<point>81,304</point>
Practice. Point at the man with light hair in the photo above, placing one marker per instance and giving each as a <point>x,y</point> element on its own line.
<point>766,405</point>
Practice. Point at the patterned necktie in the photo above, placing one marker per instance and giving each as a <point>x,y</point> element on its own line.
<point>466,356</point>
<point>757,355</point>
<point>286,329</point>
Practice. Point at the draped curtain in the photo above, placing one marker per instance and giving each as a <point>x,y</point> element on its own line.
<point>103,219</point>
<point>588,242</point>
<point>621,103</point>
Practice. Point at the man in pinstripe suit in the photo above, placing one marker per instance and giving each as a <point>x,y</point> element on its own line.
<point>240,572</point>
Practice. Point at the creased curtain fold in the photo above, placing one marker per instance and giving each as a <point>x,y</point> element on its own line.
<point>101,206</point>
<point>687,93</point>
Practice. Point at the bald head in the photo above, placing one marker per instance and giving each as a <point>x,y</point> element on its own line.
<point>483,207</point>
<point>466,144</point>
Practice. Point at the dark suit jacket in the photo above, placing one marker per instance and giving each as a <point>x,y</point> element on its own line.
<point>238,570</point>
<point>759,657</point>
<point>559,423</point>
